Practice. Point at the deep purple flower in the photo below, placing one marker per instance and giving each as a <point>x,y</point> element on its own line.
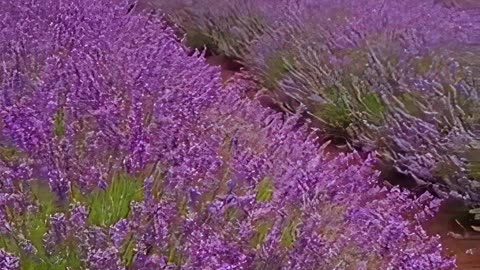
<point>8,261</point>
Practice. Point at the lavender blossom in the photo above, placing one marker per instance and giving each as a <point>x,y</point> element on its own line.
<point>8,261</point>
<point>104,259</point>
<point>164,166</point>
<point>376,73</point>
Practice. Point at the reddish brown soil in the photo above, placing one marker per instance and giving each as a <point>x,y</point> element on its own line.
<point>467,251</point>
<point>228,67</point>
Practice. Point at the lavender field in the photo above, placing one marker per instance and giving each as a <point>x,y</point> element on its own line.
<point>332,134</point>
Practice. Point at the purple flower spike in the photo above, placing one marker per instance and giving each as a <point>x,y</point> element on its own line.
<point>8,261</point>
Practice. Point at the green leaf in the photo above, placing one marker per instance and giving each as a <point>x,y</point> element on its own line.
<point>374,106</point>
<point>234,213</point>
<point>289,234</point>
<point>474,169</point>
<point>36,223</point>
<point>197,39</point>
<point>128,251</point>
<point>336,113</point>
<point>265,190</point>
<point>261,233</point>
<point>45,198</point>
<point>9,153</point>
<point>183,206</point>
<point>277,65</point>
<point>174,254</point>
<point>9,244</point>
<point>110,205</point>
<point>59,123</point>
<point>423,65</point>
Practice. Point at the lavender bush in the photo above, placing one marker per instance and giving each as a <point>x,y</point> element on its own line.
<point>399,77</point>
<point>120,151</point>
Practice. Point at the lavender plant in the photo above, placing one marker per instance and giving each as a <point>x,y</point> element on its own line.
<point>120,151</point>
<point>402,97</point>
<point>226,27</point>
<point>399,77</point>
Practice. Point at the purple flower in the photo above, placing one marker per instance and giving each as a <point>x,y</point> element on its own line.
<point>8,261</point>
<point>119,232</point>
<point>143,262</point>
<point>106,259</point>
<point>78,217</point>
<point>91,91</point>
<point>57,233</point>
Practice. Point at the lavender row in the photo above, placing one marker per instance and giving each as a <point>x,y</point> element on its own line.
<point>120,151</point>
<point>399,77</point>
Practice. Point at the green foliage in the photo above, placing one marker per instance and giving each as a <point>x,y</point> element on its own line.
<point>128,251</point>
<point>66,259</point>
<point>337,115</point>
<point>470,108</point>
<point>445,171</point>
<point>336,112</point>
<point>277,66</point>
<point>358,58</point>
<point>265,190</point>
<point>263,228</point>
<point>423,65</point>
<point>289,234</point>
<point>37,222</point>
<point>174,255</point>
<point>473,157</point>
<point>59,124</point>
<point>229,35</point>
<point>474,169</point>
<point>197,39</point>
<point>410,101</point>
<point>106,207</point>
<point>9,244</point>
<point>9,153</point>
<point>233,34</point>
<point>182,205</point>
<point>374,106</point>
<point>32,226</point>
<point>234,213</point>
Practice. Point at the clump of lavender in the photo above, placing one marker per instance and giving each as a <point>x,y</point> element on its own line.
<point>120,151</point>
<point>8,261</point>
<point>229,28</point>
<point>400,88</point>
<point>398,77</point>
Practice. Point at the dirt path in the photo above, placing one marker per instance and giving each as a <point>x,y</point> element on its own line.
<point>228,68</point>
<point>466,251</point>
